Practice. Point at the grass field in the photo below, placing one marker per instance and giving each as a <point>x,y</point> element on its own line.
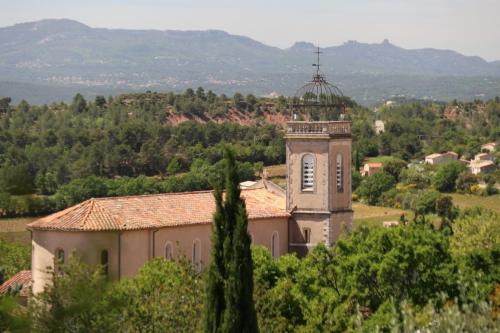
<point>469,200</point>
<point>14,230</point>
<point>364,214</point>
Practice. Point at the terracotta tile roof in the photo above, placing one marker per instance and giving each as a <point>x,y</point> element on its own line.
<point>155,211</point>
<point>22,278</point>
<point>375,164</point>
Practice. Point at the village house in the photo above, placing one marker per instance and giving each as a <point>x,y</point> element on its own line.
<point>481,166</point>
<point>379,127</point>
<point>489,147</point>
<point>371,168</point>
<point>123,233</point>
<point>441,158</point>
<point>484,157</point>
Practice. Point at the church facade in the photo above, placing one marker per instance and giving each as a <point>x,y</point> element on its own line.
<point>123,233</point>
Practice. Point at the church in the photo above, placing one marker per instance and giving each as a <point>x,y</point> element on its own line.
<point>123,233</point>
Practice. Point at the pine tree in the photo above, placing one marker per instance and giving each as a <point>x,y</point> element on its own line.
<point>229,305</point>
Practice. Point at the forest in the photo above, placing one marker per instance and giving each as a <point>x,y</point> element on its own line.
<point>53,156</point>
<point>437,271</point>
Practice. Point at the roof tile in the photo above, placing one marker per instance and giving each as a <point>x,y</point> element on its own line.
<point>155,211</point>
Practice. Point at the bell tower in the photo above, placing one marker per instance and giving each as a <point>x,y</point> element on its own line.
<point>318,157</point>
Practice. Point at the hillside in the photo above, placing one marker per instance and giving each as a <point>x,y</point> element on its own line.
<point>56,58</point>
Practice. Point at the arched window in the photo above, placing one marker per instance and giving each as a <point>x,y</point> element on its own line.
<point>105,261</point>
<point>340,174</point>
<point>197,254</point>
<point>169,251</point>
<point>60,256</point>
<point>275,245</point>
<point>307,172</point>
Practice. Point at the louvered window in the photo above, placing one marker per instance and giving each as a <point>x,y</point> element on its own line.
<point>340,174</point>
<point>308,172</point>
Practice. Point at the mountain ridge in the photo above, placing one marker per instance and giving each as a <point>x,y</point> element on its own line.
<point>67,53</point>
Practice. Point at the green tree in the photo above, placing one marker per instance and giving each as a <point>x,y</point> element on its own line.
<point>74,302</point>
<point>475,228</point>
<point>233,267</point>
<point>446,176</point>
<point>100,101</point>
<point>79,104</point>
<point>372,187</point>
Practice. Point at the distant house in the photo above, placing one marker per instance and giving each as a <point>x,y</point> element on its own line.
<point>441,158</point>
<point>379,127</point>
<point>479,166</point>
<point>371,168</point>
<point>489,147</point>
<point>484,157</point>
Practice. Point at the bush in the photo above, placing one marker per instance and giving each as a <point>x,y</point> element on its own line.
<point>465,182</point>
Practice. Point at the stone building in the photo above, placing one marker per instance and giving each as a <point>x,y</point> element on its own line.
<point>441,158</point>
<point>123,233</point>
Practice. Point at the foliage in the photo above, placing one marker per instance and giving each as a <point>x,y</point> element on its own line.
<point>446,176</point>
<point>74,302</point>
<point>475,228</point>
<point>12,317</point>
<point>466,318</point>
<point>166,296</point>
<point>373,186</point>
<point>465,182</point>
<point>14,258</point>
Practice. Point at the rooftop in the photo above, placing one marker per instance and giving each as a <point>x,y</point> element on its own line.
<point>156,211</point>
<point>481,163</point>
<point>22,278</point>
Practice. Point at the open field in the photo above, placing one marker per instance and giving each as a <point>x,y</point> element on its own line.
<point>15,229</point>
<point>468,200</point>
<point>364,214</point>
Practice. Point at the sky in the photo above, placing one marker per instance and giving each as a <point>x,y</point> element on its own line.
<point>471,27</point>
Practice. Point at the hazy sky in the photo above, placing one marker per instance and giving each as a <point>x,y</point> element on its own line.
<point>471,27</point>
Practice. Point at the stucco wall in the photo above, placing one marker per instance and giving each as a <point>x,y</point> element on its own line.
<point>339,221</point>
<point>135,251</point>
<point>182,237</point>
<point>316,222</point>
<point>137,247</point>
<point>87,245</point>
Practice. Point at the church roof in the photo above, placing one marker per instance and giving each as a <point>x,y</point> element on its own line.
<point>156,211</point>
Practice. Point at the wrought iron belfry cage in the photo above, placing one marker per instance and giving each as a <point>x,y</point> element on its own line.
<point>318,98</point>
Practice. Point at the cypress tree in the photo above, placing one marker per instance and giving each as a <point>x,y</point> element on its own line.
<point>214,304</point>
<point>229,306</point>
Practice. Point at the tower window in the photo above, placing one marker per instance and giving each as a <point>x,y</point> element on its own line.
<point>340,174</point>
<point>308,172</point>
<point>307,235</point>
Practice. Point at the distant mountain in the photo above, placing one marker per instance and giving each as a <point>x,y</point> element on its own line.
<point>61,57</point>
